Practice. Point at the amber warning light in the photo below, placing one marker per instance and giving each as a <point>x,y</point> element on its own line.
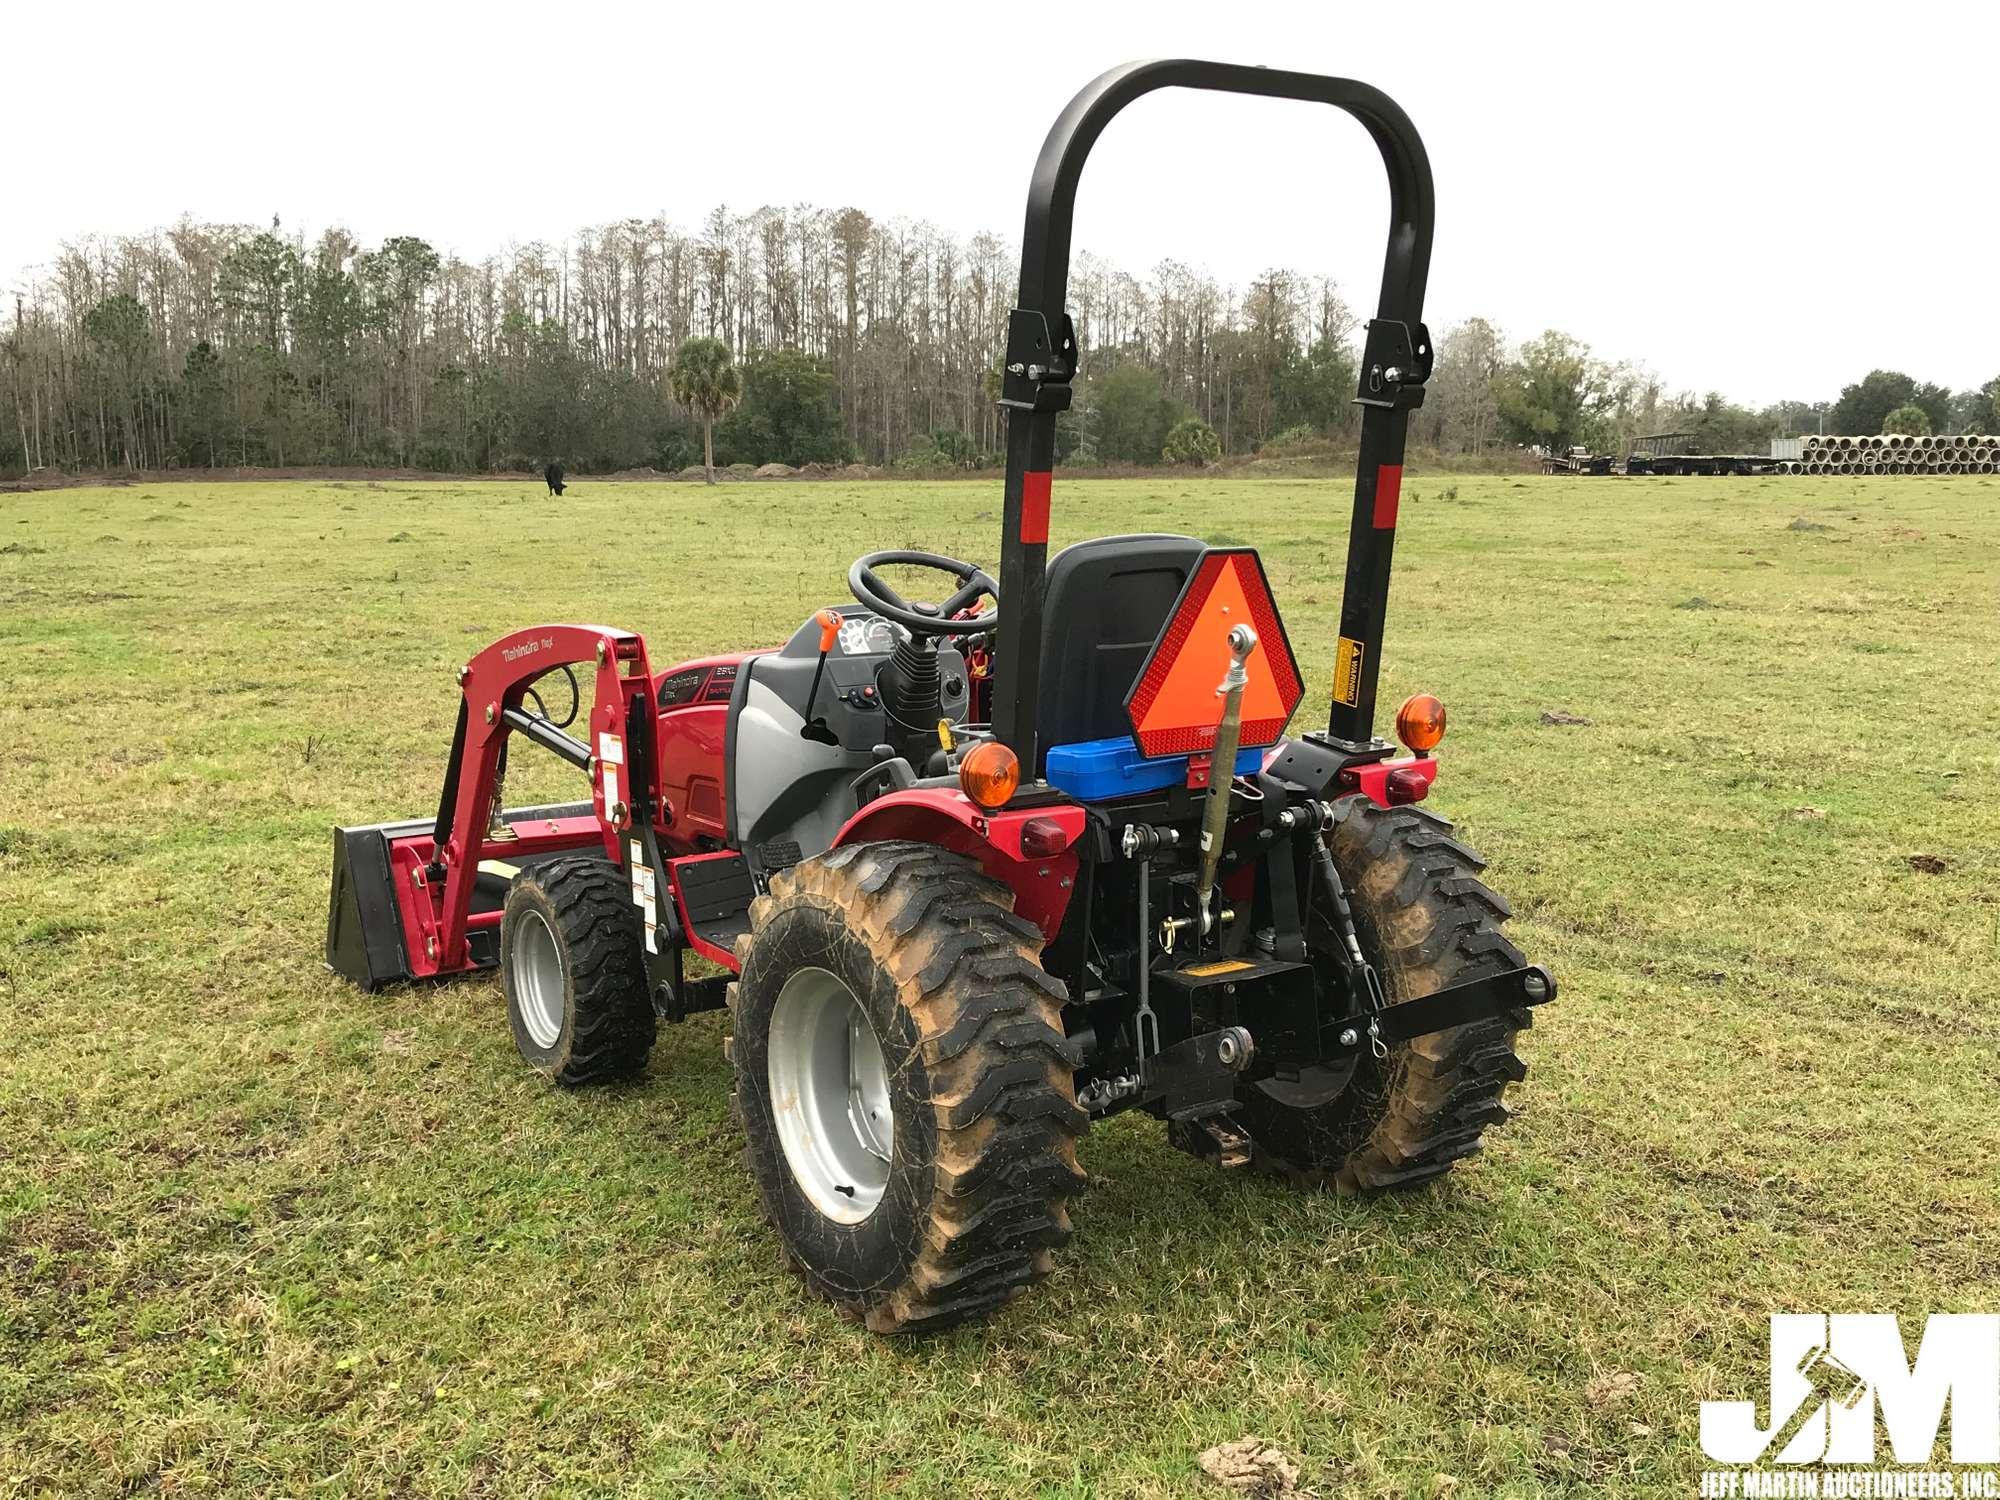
<point>989,774</point>
<point>1420,722</point>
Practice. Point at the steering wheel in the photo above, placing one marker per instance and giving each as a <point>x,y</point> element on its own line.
<point>926,619</point>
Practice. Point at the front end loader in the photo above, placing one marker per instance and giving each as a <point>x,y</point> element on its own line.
<point>974,870</point>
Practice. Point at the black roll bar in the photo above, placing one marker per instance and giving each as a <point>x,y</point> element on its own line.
<point>1041,359</point>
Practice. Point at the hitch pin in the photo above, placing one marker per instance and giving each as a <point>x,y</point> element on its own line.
<point>1172,927</point>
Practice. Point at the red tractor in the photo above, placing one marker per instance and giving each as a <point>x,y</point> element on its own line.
<point>983,868</point>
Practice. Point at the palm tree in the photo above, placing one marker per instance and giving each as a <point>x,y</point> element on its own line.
<point>707,382</point>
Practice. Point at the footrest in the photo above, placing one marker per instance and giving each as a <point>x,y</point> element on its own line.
<point>716,892</point>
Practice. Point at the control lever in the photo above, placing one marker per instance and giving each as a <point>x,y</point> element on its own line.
<point>815,727</point>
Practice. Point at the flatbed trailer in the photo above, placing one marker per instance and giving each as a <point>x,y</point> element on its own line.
<point>1704,463</point>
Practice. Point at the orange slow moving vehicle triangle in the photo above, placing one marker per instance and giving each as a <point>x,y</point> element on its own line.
<point>1174,706</point>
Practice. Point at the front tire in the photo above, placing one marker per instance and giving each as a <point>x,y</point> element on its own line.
<point>572,971</point>
<point>895,980</point>
<point>1425,920</point>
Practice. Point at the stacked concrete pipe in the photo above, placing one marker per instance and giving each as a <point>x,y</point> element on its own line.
<point>1896,453</point>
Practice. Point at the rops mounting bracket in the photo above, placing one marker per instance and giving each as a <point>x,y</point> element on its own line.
<point>1394,365</point>
<point>1036,373</point>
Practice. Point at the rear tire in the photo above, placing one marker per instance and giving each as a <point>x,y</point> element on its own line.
<point>1425,920</point>
<point>911,966</point>
<point>572,971</point>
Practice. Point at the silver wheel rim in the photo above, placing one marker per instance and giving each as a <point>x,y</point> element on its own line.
<point>830,1096</point>
<point>538,979</point>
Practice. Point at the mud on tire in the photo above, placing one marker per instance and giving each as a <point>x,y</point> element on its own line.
<point>572,972</point>
<point>1425,920</point>
<point>980,1079</point>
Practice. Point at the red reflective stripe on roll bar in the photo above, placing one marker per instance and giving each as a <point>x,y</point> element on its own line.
<point>1035,507</point>
<point>1388,491</point>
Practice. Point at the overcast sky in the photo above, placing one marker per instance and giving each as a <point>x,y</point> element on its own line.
<point>1765,199</point>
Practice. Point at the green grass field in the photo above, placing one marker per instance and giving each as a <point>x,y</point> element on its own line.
<point>261,1233</point>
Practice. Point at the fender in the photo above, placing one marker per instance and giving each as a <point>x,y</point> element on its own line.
<point>945,816</point>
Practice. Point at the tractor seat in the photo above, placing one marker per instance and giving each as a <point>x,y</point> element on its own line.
<point>1105,603</point>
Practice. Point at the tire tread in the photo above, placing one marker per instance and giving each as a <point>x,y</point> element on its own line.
<point>989,1025</point>
<point>613,1029</point>
<point>1437,922</point>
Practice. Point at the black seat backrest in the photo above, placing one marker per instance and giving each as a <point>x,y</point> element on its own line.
<point>1106,601</point>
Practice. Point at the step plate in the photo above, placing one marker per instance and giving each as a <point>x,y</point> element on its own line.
<point>716,893</point>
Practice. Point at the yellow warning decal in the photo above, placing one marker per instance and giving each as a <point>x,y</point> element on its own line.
<point>498,867</point>
<point>1347,672</point>
<point>1220,966</point>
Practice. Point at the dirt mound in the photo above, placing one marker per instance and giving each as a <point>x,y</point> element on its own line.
<point>57,479</point>
<point>1251,1466</point>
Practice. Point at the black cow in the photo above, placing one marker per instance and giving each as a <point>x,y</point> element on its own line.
<point>553,474</point>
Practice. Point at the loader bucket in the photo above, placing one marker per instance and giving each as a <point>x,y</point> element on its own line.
<point>364,927</point>
<point>375,911</point>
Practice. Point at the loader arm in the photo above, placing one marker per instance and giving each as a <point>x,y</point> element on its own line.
<point>492,687</point>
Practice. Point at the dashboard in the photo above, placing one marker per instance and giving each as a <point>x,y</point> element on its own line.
<point>866,635</point>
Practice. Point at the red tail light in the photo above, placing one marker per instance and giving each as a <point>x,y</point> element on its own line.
<point>1405,785</point>
<point>1043,838</point>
